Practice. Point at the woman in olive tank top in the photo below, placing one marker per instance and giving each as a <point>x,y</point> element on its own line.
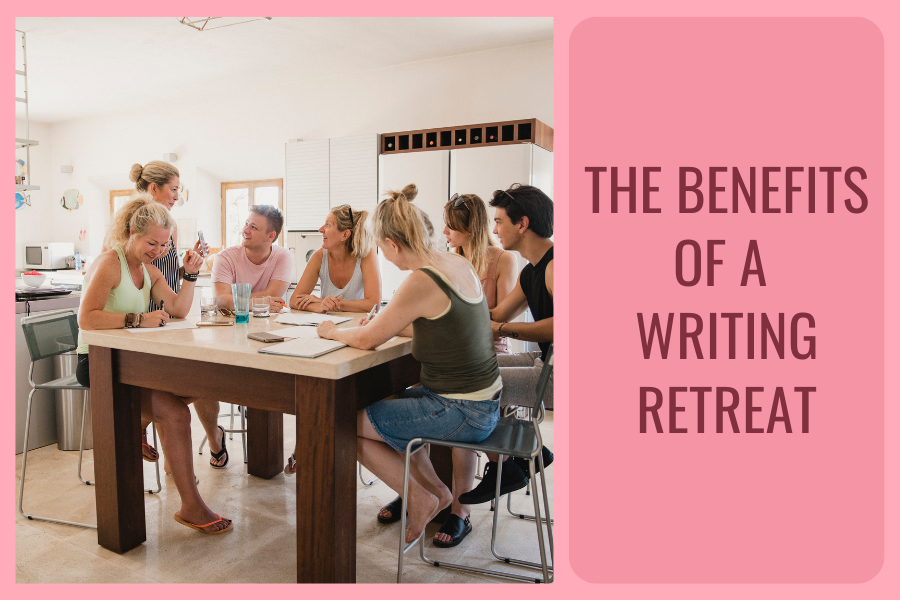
<point>442,306</point>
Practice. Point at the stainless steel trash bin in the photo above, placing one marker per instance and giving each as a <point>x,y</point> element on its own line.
<point>68,408</point>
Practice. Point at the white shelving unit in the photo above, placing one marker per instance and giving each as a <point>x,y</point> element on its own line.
<point>25,142</point>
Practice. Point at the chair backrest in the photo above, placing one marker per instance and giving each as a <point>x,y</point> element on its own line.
<point>52,334</point>
<point>544,380</point>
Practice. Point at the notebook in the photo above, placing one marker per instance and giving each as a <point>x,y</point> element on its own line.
<point>303,347</point>
<point>309,319</point>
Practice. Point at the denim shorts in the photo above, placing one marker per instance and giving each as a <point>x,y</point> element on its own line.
<point>420,412</point>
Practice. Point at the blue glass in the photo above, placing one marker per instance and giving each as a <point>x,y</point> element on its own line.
<point>241,317</point>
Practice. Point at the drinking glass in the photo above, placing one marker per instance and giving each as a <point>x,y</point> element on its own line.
<point>261,306</point>
<point>207,303</point>
<point>241,294</point>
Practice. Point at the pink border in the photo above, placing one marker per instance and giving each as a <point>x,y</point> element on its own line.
<point>884,13</point>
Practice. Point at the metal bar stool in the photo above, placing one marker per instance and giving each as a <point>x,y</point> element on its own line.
<point>232,430</point>
<point>511,437</point>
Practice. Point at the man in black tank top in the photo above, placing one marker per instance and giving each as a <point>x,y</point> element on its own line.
<point>523,222</point>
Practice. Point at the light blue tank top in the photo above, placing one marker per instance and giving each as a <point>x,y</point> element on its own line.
<point>354,289</point>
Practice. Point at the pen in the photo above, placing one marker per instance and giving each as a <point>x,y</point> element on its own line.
<point>371,313</point>
<point>162,307</point>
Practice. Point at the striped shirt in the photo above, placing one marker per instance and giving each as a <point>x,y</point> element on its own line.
<point>168,265</point>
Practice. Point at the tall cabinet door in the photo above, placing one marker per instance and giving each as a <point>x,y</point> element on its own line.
<point>430,171</point>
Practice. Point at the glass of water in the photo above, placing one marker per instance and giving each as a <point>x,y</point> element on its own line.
<point>207,303</point>
<point>260,306</point>
<point>241,294</point>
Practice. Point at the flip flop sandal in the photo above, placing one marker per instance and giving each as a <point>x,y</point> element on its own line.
<point>200,527</point>
<point>291,467</point>
<point>456,528</point>
<point>150,448</point>
<point>218,455</point>
<point>394,506</point>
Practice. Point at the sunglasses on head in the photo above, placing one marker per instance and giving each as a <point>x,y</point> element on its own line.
<point>458,201</point>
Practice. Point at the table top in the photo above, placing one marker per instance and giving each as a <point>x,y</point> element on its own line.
<point>228,345</point>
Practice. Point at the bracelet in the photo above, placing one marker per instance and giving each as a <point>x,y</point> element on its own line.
<point>500,329</point>
<point>137,322</point>
<point>129,320</point>
<point>190,276</point>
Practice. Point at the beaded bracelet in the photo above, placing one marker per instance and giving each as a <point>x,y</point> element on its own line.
<point>190,276</point>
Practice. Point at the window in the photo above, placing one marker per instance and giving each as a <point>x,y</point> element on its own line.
<point>117,198</point>
<point>238,196</point>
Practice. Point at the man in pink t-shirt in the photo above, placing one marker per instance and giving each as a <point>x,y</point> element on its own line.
<point>267,268</point>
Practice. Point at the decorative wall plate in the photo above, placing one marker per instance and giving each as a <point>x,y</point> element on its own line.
<point>22,200</point>
<point>71,200</point>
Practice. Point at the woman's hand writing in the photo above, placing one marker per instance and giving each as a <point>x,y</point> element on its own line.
<point>157,318</point>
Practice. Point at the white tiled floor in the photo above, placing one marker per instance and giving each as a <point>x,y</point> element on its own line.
<point>261,548</point>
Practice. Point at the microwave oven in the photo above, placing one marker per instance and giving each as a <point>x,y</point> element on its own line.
<point>48,255</point>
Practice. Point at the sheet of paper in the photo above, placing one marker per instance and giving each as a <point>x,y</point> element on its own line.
<point>299,331</point>
<point>303,347</point>
<point>171,325</point>
<point>309,319</point>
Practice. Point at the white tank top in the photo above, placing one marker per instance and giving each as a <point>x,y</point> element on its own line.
<point>354,289</point>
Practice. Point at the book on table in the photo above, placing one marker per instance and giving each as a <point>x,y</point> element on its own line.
<point>303,347</point>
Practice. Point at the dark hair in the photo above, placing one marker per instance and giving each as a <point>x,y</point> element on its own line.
<point>274,216</point>
<point>527,201</point>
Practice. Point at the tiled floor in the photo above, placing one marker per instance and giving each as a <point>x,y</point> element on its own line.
<point>262,546</point>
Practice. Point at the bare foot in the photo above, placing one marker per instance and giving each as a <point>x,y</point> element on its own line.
<point>422,508</point>
<point>148,451</point>
<point>204,517</point>
<point>217,462</point>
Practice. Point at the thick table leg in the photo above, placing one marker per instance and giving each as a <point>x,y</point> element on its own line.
<point>326,480</point>
<point>116,409</point>
<point>265,443</point>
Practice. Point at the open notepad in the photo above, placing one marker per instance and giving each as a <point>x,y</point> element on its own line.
<point>309,319</point>
<point>304,347</point>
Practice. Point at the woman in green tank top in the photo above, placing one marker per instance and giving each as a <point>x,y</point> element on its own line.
<point>442,306</point>
<point>117,291</point>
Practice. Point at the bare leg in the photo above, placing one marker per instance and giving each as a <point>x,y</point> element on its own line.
<point>464,463</point>
<point>208,413</point>
<point>172,411</point>
<point>427,494</point>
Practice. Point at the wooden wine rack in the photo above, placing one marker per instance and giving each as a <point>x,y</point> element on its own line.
<point>469,136</point>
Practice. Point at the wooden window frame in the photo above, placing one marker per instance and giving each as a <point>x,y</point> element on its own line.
<point>113,194</point>
<point>251,187</point>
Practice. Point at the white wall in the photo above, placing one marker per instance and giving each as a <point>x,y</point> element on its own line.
<point>241,136</point>
<point>35,223</point>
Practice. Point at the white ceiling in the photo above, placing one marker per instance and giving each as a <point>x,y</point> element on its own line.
<point>80,66</point>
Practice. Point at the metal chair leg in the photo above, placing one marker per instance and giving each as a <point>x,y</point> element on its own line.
<point>22,482</point>
<point>84,405</point>
<point>362,479</point>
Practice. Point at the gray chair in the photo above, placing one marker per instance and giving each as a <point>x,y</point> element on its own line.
<point>512,437</point>
<point>47,335</point>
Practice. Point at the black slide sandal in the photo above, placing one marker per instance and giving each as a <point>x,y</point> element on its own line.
<point>456,528</point>
<point>218,455</point>
<point>395,506</point>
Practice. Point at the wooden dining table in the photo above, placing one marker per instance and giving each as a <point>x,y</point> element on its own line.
<point>221,363</point>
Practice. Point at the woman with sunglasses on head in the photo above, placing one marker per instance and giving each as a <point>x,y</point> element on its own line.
<point>345,266</point>
<point>347,269</point>
<point>468,233</point>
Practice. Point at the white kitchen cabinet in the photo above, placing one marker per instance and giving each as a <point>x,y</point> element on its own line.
<point>430,171</point>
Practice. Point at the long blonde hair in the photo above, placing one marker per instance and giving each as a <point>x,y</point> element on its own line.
<point>137,216</point>
<point>360,241</point>
<point>155,171</point>
<point>396,218</point>
<point>466,213</point>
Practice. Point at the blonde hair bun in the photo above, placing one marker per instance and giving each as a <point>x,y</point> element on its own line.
<point>408,193</point>
<point>135,174</point>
